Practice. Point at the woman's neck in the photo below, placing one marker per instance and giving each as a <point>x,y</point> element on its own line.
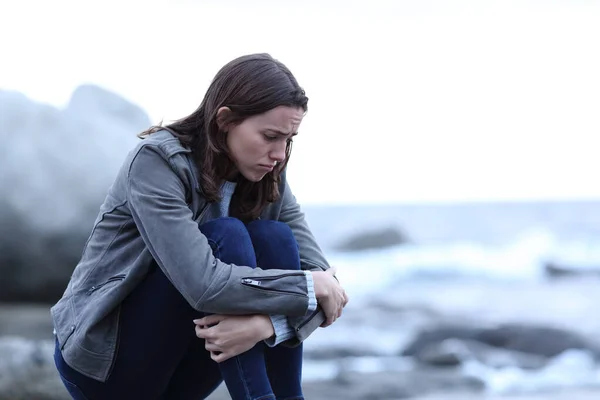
<point>232,176</point>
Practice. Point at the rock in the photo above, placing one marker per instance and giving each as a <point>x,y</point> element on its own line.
<point>27,370</point>
<point>387,386</point>
<point>555,270</point>
<point>449,352</point>
<point>92,102</point>
<point>453,352</point>
<point>36,265</point>
<point>375,239</point>
<point>28,321</point>
<point>525,346</point>
<point>332,352</point>
<point>55,169</point>
<point>401,384</point>
<point>540,340</point>
<point>438,334</point>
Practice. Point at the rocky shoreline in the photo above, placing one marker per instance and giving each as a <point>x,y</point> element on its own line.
<point>27,372</point>
<point>428,339</point>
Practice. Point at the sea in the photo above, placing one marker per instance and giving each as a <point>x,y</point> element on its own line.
<point>495,240</point>
<point>479,260</point>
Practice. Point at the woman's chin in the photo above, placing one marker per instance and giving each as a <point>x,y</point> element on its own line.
<point>254,176</point>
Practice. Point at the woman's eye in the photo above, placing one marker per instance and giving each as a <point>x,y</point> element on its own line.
<point>270,138</point>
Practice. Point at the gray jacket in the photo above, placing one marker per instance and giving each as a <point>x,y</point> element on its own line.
<point>152,211</point>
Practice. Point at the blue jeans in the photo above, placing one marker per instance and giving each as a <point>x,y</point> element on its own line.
<point>159,355</point>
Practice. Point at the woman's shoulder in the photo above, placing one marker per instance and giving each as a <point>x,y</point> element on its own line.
<point>159,149</point>
<point>164,141</point>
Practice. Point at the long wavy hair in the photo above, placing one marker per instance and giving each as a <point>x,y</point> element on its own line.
<point>249,85</point>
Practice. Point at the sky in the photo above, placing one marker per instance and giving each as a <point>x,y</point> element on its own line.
<point>410,100</point>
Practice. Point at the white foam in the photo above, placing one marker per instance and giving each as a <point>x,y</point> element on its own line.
<point>330,369</point>
<point>571,369</point>
<point>319,370</point>
<point>522,259</point>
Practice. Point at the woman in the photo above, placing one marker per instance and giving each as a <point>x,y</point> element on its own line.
<point>200,266</point>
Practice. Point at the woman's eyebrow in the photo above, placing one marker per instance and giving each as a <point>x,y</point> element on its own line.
<point>281,132</point>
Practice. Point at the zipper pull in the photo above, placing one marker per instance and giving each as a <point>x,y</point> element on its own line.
<point>250,282</point>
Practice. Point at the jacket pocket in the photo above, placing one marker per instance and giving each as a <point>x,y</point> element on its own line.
<point>116,278</point>
<point>69,334</point>
<point>267,284</point>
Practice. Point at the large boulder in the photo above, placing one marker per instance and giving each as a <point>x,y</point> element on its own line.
<point>55,168</point>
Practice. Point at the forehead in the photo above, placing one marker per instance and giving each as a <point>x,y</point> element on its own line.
<point>286,119</point>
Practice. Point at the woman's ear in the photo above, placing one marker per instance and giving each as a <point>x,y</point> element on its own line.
<point>223,115</point>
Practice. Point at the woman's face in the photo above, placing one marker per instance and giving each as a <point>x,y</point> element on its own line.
<point>258,143</point>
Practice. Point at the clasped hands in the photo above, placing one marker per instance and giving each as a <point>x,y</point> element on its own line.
<point>227,336</point>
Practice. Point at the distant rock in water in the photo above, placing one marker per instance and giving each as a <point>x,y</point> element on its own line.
<point>557,270</point>
<point>373,239</point>
<point>56,166</point>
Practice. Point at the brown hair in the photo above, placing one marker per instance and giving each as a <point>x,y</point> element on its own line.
<point>249,85</point>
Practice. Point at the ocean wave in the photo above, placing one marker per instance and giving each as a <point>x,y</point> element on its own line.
<point>525,258</point>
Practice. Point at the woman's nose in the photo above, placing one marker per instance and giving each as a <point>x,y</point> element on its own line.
<point>278,152</point>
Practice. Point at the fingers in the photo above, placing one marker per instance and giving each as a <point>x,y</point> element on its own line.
<point>329,319</point>
<point>331,314</point>
<point>204,332</point>
<point>220,357</point>
<point>212,347</point>
<point>210,320</point>
<point>332,271</point>
<point>333,306</point>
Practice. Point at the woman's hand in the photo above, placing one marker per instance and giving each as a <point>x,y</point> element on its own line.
<point>331,296</point>
<point>227,336</point>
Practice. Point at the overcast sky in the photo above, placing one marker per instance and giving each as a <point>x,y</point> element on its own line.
<point>410,100</point>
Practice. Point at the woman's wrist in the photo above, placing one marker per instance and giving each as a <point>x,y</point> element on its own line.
<point>265,327</point>
<point>319,284</point>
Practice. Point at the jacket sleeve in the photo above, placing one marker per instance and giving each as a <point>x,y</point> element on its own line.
<point>156,199</point>
<point>311,255</point>
<point>311,258</point>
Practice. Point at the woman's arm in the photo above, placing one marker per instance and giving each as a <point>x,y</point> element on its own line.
<point>156,200</point>
<point>228,336</point>
<point>311,255</point>
<point>312,259</point>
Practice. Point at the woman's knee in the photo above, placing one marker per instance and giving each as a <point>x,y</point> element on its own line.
<point>225,230</point>
<point>274,244</point>
<point>268,232</point>
<point>230,241</point>
<point>230,226</point>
